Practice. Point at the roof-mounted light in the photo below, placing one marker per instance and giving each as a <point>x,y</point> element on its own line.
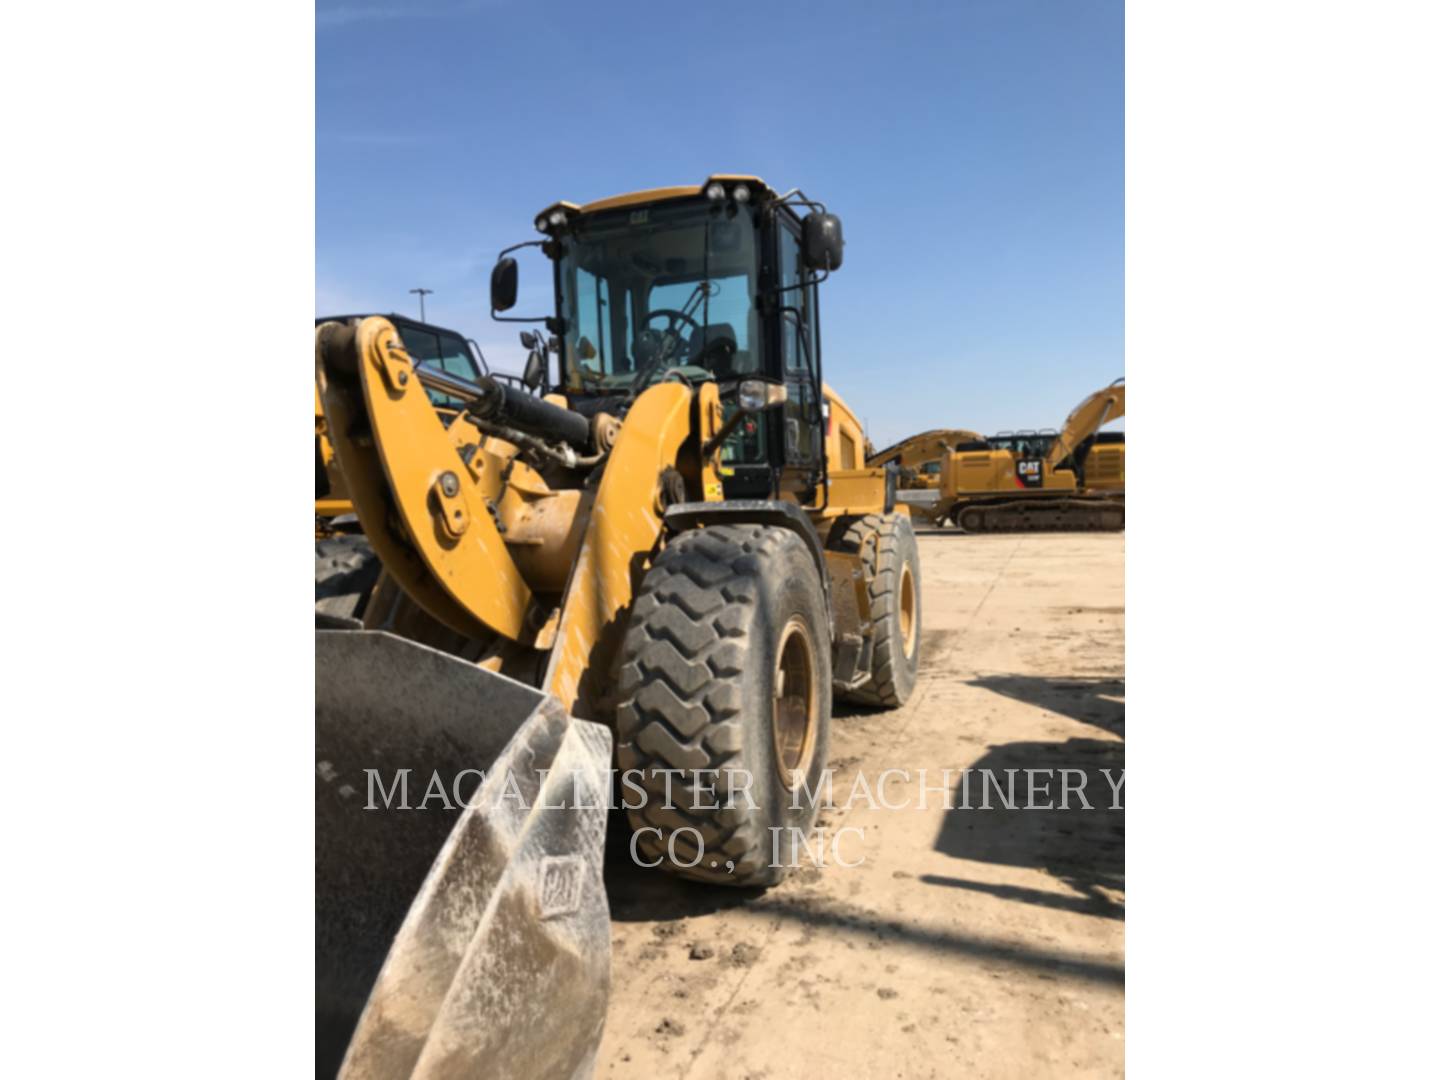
<point>557,219</point>
<point>742,194</point>
<point>715,192</point>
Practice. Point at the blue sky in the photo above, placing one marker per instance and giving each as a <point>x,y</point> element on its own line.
<point>974,150</point>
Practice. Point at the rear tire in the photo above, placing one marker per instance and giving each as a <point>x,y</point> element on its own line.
<point>728,615</point>
<point>893,564</point>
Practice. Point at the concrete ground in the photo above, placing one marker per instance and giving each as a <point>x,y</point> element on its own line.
<point>973,942</point>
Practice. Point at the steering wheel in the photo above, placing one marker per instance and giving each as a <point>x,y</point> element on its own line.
<point>650,346</point>
<point>674,318</point>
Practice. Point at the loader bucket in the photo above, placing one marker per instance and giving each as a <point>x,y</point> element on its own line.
<point>470,941</point>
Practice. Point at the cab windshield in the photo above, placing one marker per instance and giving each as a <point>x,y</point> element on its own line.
<point>660,292</point>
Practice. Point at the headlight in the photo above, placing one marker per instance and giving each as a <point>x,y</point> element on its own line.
<point>742,194</point>
<point>754,395</point>
<point>715,193</point>
<point>557,218</point>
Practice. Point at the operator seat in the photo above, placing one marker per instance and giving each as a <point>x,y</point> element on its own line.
<point>714,348</point>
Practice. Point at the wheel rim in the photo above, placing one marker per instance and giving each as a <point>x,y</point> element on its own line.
<point>909,624</point>
<point>796,707</point>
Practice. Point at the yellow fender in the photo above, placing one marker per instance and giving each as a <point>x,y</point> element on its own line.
<point>624,527</point>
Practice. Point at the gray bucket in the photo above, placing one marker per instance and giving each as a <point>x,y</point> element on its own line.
<point>472,941</point>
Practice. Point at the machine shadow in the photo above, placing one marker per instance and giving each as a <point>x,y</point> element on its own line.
<point>1100,702</point>
<point>642,894</point>
<point>1076,830</point>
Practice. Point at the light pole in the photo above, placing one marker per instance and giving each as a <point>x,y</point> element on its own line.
<point>422,293</point>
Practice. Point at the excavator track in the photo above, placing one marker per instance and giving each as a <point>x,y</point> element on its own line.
<point>1041,515</point>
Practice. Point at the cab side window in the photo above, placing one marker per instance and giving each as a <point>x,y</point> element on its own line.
<point>797,350</point>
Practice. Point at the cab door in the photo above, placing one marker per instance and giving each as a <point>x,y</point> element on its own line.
<point>799,354</point>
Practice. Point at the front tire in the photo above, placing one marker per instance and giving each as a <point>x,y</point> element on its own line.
<point>725,666</point>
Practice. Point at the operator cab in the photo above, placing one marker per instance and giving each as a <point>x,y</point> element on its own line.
<point>696,285</point>
<point>1024,444</point>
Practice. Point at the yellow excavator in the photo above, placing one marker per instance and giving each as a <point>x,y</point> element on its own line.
<point>664,549</point>
<point>918,462</point>
<point>1070,480</point>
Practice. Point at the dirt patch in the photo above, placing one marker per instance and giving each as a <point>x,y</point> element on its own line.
<point>743,954</point>
<point>985,942</point>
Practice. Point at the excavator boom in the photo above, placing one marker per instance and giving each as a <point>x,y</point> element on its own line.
<point>915,451</point>
<point>1097,410</point>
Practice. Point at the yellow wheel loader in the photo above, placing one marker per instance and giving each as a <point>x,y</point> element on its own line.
<point>1026,481</point>
<point>663,550</point>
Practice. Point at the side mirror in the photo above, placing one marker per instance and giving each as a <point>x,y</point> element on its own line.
<point>504,283</point>
<point>535,365</point>
<point>822,243</point>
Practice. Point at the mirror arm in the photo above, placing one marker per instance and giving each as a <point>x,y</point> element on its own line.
<point>520,318</point>
<point>517,247</point>
<point>776,290</point>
